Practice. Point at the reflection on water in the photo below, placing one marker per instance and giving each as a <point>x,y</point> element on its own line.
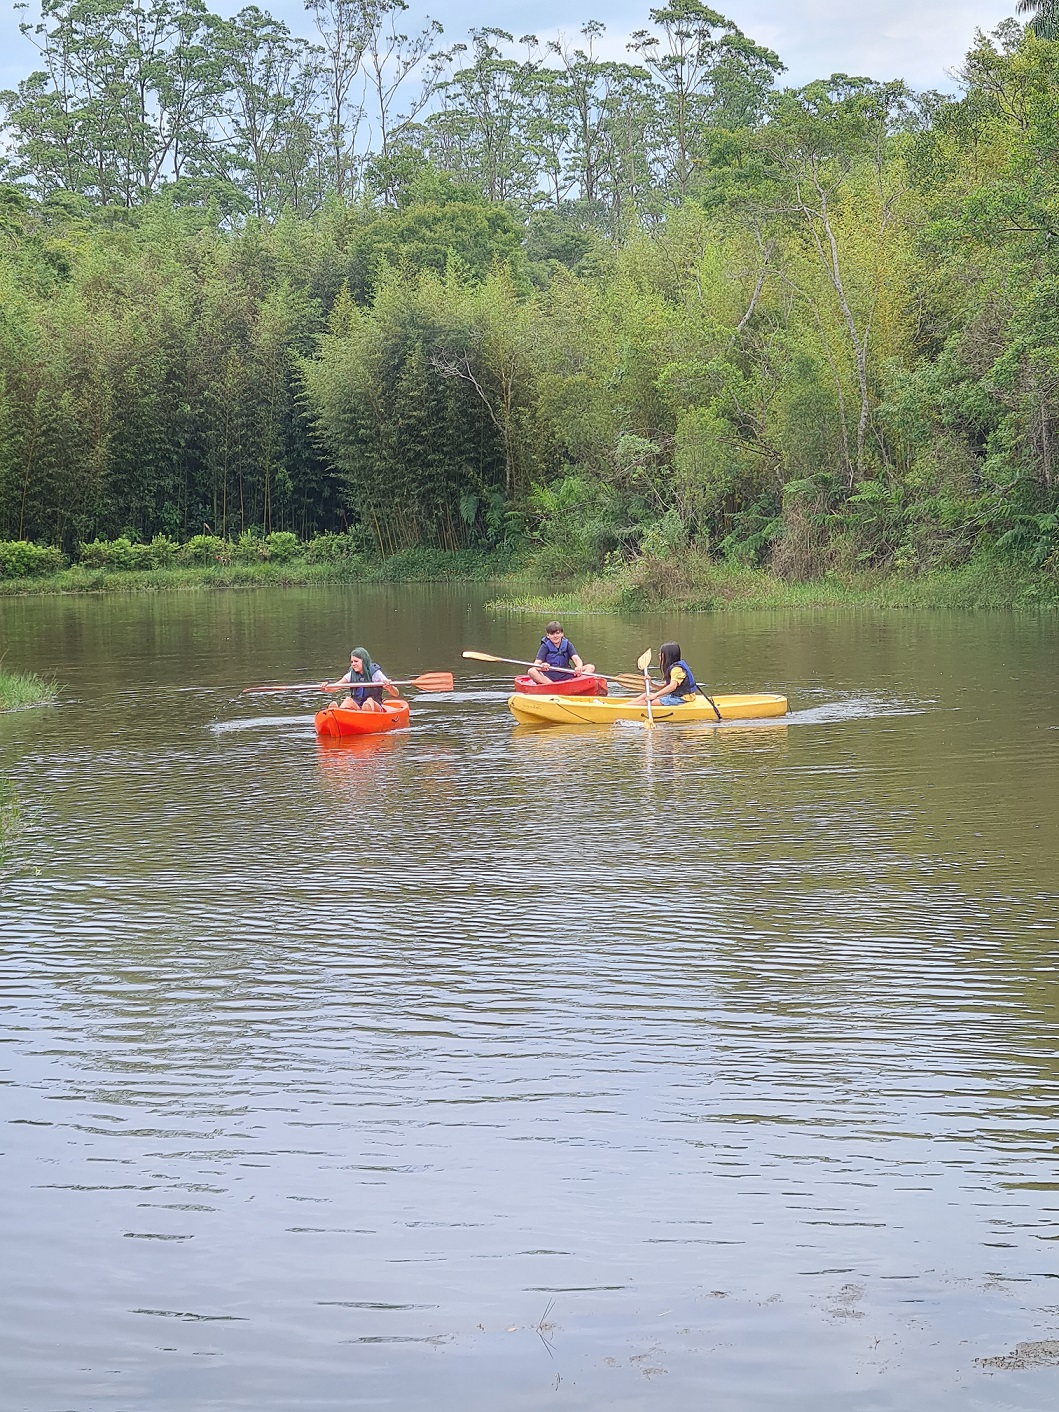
<point>480,1065</point>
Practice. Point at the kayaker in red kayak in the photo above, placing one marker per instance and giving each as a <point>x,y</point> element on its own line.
<point>367,681</point>
<point>556,650</point>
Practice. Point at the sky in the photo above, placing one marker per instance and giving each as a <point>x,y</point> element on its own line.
<point>921,41</point>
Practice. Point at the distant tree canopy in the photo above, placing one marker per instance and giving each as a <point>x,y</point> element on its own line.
<point>458,296</point>
<point>134,98</point>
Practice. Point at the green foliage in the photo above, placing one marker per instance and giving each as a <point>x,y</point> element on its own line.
<point>443,223</point>
<point>337,548</point>
<point>24,689</point>
<point>638,316</point>
<point>281,546</point>
<point>581,524</point>
<point>19,559</point>
<point>205,549</point>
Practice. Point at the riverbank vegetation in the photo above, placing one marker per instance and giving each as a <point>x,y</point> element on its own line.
<point>24,689</point>
<point>661,324</point>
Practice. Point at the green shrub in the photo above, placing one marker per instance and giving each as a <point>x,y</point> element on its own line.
<point>281,546</point>
<point>205,549</point>
<point>123,555</point>
<point>249,548</point>
<point>163,551</point>
<point>21,559</point>
<point>333,548</point>
<point>105,554</point>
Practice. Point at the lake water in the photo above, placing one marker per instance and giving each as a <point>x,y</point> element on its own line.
<point>480,1068</point>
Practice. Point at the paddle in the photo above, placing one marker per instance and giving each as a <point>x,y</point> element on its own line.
<point>520,662</point>
<point>644,663</point>
<point>429,681</point>
<point>631,683</point>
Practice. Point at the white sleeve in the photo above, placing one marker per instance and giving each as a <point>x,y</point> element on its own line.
<point>378,674</point>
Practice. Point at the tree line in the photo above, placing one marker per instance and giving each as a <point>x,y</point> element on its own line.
<point>660,308</point>
<point>136,97</point>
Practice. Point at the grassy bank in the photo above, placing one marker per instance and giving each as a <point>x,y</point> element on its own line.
<point>414,566</point>
<point>703,585</point>
<point>697,584</point>
<point>24,689</point>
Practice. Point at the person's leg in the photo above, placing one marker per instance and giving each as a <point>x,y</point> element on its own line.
<point>350,705</point>
<point>588,670</point>
<point>539,677</point>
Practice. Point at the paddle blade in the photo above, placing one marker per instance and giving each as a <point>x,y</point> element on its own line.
<point>482,656</point>
<point>644,660</point>
<point>630,681</point>
<point>433,681</point>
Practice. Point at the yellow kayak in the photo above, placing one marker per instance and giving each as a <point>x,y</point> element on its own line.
<point>602,710</point>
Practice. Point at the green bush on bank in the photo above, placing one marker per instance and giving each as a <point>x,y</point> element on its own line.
<point>21,559</point>
<point>124,555</point>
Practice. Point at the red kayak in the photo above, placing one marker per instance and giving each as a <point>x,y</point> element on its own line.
<point>569,686</point>
<point>341,724</point>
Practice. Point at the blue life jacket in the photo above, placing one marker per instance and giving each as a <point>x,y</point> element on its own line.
<point>360,694</point>
<point>553,656</point>
<point>689,686</point>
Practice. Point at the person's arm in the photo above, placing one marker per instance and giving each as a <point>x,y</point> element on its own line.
<point>576,663</point>
<point>657,692</point>
<point>379,678</point>
<point>342,681</point>
<point>676,680</point>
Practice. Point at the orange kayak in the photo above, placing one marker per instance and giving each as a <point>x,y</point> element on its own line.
<point>333,721</point>
<point>569,686</point>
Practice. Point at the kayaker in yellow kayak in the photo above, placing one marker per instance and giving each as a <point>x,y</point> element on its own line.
<point>367,681</point>
<point>679,684</point>
<point>557,651</point>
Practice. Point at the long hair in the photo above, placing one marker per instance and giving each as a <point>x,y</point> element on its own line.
<point>668,656</point>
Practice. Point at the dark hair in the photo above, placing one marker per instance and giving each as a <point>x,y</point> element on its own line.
<point>668,656</point>
<point>554,627</point>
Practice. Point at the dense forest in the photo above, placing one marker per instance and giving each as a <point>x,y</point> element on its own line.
<point>468,294</point>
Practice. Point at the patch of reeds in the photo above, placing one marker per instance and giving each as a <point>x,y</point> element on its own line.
<point>25,689</point>
<point>699,584</point>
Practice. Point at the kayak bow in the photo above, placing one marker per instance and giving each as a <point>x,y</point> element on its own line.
<point>571,686</point>
<point>341,724</point>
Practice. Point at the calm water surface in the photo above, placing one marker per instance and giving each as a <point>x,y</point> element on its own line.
<point>477,1067</point>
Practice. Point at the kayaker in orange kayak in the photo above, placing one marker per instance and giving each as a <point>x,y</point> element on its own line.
<point>367,681</point>
<point>557,651</point>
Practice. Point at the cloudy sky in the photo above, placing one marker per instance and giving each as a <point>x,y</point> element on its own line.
<point>917,40</point>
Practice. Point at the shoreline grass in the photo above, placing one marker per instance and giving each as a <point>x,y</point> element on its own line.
<point>413,566</point>
<point>697,584</point>
<point>20,689</point>
<point>706,586</point>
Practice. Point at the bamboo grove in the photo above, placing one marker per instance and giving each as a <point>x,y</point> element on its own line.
<point>499,292</point>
